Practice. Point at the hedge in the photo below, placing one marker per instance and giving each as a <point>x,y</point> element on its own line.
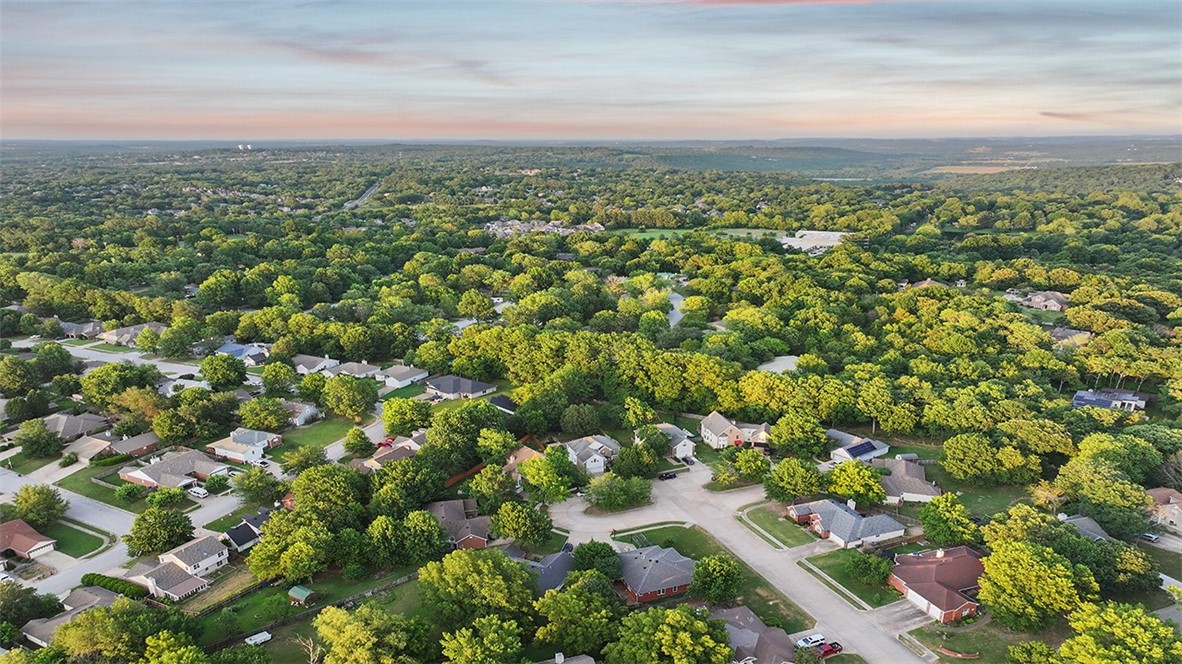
<point>121,586</point>
<point>110,460</point>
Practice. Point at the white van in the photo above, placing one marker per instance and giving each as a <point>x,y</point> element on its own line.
<point>257,639</point>
<point>198,492</point>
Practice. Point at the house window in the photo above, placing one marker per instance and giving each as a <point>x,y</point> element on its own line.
<point>661,591</point>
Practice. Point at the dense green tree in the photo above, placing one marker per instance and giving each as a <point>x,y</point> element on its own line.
<point>681,635</point>
<point>522,523</point>
<point>868,569</point>
<point>1111,632</point>
<point>599,556</point>
<point>333,494</point>
<point>370,634</point>
<point>223,371</point>
<point>402,416</point>
<point>791,479</point>
<point>495,446</point>
<point>1028,585</point>
<point>470,583</point>
<point>385,540</point>
<point>798,433</point>
<point>19,604</point>
<point>278,379</point>
<point>946,521</point>
<point>263,413</point>
<point>39,505</point>
<point>580,419</point>
<point>637,461</point>
<point>256,486</point>
<point>855,480</point>
<point>158,529</point>
<point>717,579</point>
<point>972,458</point>
<point>611,492</point>
<point>476,305</point>
<point>165,497</point>
<point>490,640</point>
<point>36,440</point>
<point>423,537</point>
<point>751,464</point>
<point>172,427</point>
<point>299,459</point>
<point>582,616</point>
<point>357,443</point>
<point>118,633</point>
<point>103,384</point>
<point>311,388</point>
<point>17,376</point>
<point>348,396</point>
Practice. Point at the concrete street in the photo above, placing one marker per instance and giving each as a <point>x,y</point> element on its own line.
<point>871,634</point>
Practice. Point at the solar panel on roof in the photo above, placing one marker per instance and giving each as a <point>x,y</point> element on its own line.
<point>860,449</point>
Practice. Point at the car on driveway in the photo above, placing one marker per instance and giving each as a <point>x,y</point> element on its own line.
<point>667,476</point>
<point>261,463</point>
<point>811,641</point>
<point>198,492</point>
<point>826,650</point>
<point>1150,537</point>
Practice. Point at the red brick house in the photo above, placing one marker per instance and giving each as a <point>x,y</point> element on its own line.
<point>467,529</point>
<point>942,583</point>
<point>654,573</point>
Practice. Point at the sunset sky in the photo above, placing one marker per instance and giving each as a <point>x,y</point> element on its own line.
<point>589,70</point>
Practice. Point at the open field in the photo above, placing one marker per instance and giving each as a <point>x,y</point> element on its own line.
<point>72,541</point>
<point>833,564</point>
<point>319,435</point>
<point>990,640</point>
<point>24,464</point>
<point>755,592</point>
<point>769,518</point>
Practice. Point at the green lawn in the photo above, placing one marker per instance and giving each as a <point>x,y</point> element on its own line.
<point>24,465</point>
<point>833,564</point>
<point>110,348</point>
<point>504,387</point>
<point>552,545</point>
<point>230,520</point>
<point>72,541</point>
<point>980,500</point>
<point>1169,562</point>
<point>990,640</point>
<point>406,392</point>
<point>319,435</point>
<point>653,233</point>
<point>75,342</point>
<point>769,518</point>
<point>755,592</point>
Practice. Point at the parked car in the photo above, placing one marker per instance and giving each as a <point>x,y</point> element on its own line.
<point>261,463</point>
<point>811,641</point>
<point>667,476</point>
<point>198,492</point>
<point>1150,537</point>
<point>689,461</point>
<point>233,473</point>
<point>826,650</point>
<point>5,576</point>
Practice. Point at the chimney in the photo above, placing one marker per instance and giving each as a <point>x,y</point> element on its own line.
<point>939,553</point>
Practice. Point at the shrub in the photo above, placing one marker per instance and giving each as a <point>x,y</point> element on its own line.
<point>217,483</point>
<point>129,492</point>
<point>69,459</point>
<point>868,569</point>
<point>110,460</point>
<point>121,586</point>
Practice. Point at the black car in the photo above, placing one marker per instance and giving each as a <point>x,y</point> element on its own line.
<point>667,476</point>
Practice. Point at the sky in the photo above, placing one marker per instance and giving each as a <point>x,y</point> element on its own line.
<point>587,69</point>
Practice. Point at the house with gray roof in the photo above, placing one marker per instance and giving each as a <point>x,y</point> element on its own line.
<point>681,442</point>
<point>753,641</point>
<point>718,432</point>
<point>245,445</point>
<point>167,580</point>
<point>468,530</point>
<point>550,572</point>
<point>180,469</point>
<point>310,364</point>
<point>354,369</point>
<point>906,482</point>
<point>87,330</point>
<point>126,336</point>
<point>70,427</point>
<point>300,413</point>
<point>1125,400</point>
<point>247,533</point>
<point>654,572</point>
<point>1087,526</point>
<point>42,630</point>
<point>458,387</point>
<point>592,454</point>
<point>847,528</point>
<point>400,376</point>
<point>199,556</point>
<point>854,448</point>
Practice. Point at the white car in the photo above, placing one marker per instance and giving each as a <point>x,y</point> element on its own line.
<point>261,637</point>
<point>810,641</point>
<point>198,492</point>
<point>261,463</point>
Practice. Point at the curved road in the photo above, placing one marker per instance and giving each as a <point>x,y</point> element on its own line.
<point>871,634</point>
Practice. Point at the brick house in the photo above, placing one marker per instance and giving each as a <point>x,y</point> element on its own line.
<point>942,583</point>
<point>654,573</point>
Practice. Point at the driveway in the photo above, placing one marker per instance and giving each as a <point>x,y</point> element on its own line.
<point>869,634</point>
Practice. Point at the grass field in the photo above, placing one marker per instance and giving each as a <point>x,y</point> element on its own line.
<point>406,392</point>
<point>785,532</point>
<point>75,342</point>
<point>833,564</point>
<point>72,541</point>
<point>110,348</point>
<point>230,520</point>
<point>504,388</point>
<point>755,592</point>
<point>26,464</point>
<point>551,545</point>
<point>1169,562</point>
<point>319,435</point>
<point>653,233</point>
<point>990,640</point>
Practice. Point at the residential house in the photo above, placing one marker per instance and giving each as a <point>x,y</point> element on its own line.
<point>839,523</point>
<point>41,631</point>
<point>19,539</point>
<point>87,330</point>
<point>467,529</point>
<point>108,443</point>
<point>504,404</point>
<point>126,336</point>
<point>752,640</point>
<point>300,413</point>
<point>1046,301</point>
<point>309,364</point>
<point>252,355</point>
<point>247,533</point>
<point>681,442</point>
<point>179,571</point>
<point>518,457</point>
<point>719,432</point>
<point>1065,336</point>
<point>1087,526</point>
<point>854,448</point>
<point>400,376</point>
<point>942,583</point>
<point>560,658</point>
<point>180,469</point>
<point>906,483</point>
<point>70,427</point>
<point>401,447</point>
<point>1115,399</point>
<point>245,445</point>
<point>170,387</point>
<point>457,387</point>
<point>550,572</point>
<point>592,454</point>
<point>654,572</point>
<point>354,369</point>
<point>1167,508</point>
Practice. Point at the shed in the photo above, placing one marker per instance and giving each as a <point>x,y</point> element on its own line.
<point>301,595</point>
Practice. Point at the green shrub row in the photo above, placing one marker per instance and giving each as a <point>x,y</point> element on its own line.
<point>121,586</point>
<point>110,460</point>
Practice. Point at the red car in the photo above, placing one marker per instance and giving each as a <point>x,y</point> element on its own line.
<point>826,650</point>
